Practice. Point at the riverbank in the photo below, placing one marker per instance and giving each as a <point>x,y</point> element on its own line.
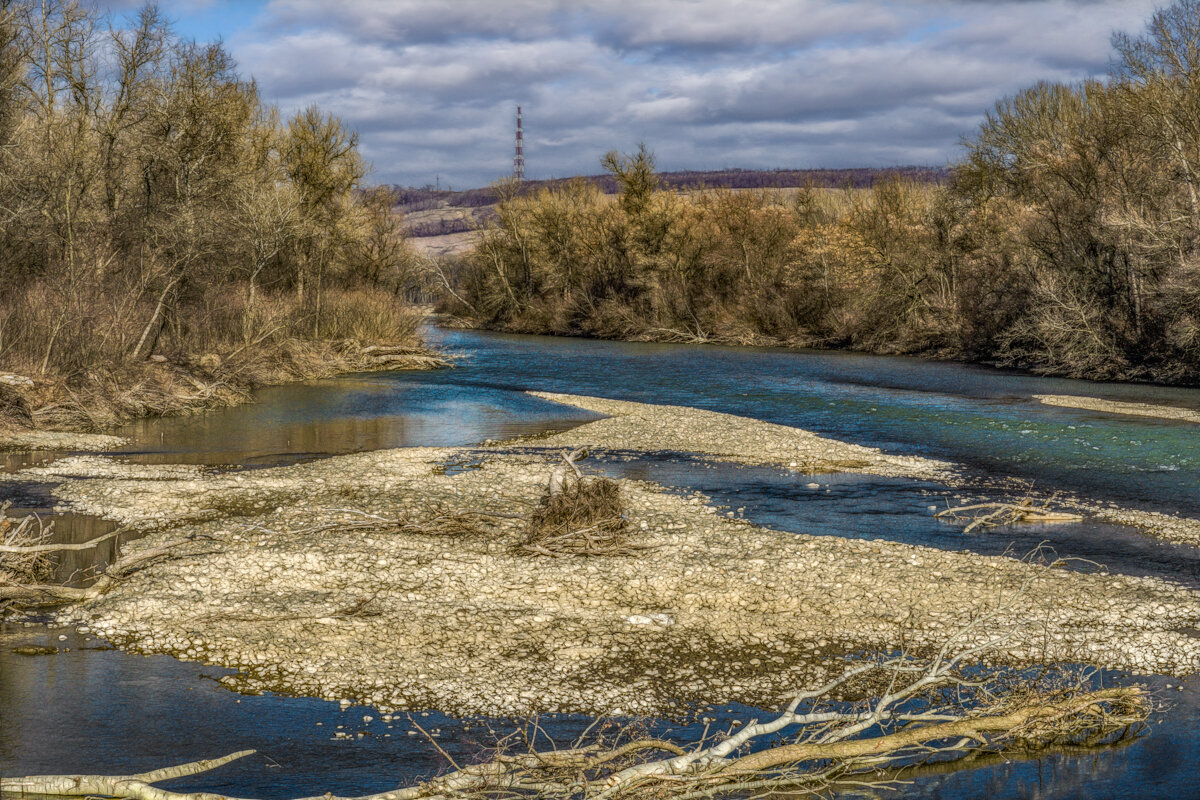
<point>460,319</point>
<point>286,588</point>
<point>17,439</point>
<point>186,385</point>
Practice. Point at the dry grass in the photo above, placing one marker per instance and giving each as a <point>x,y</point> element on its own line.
<point>14,408</point>
<point>586,518</point>
<point>225,348</point>
<point>368,315</point>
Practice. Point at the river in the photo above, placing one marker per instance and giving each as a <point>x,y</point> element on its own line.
<point>95,709</point>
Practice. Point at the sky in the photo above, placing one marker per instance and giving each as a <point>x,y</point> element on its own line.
<point>432,86</point>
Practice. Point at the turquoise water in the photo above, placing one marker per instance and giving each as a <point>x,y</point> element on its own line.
<point>94,710</point>
<point>977,416</point>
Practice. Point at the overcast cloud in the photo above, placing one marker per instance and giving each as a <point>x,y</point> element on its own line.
<point>432,86</point>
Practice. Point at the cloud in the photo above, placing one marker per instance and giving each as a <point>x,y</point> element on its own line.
<point>432,86</point>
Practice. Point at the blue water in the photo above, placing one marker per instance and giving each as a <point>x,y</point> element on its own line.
<point>111,711</point>
<point>104,711</point>
<point>976,416</point>
<point>901,510</point>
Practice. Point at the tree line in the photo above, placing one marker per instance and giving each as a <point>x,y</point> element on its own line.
<point>411,198</point>
<point>151,203</point>
<point>1064,241</point>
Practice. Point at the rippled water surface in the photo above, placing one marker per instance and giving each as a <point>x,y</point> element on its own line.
<point>110,711</point>
<point>978,416</point>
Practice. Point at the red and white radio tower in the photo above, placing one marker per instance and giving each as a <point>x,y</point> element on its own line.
<point>519,158</point>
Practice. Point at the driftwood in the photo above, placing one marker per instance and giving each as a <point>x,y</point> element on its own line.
<point>393,350</point>
<point>988,515</point>
<point>914,710</point>
<point>116,785</point>
<point>35,594</point>
<point>558,478</point>
<point>56,548</point>
<point>23,557</point>
<point>400,356</point>
<point>831,750</point>
<point>579,516</point>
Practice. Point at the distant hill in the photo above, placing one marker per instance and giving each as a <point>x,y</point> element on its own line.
<point>410,199</point>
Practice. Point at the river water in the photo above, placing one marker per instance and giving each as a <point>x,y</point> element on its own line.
<point>100,710</point>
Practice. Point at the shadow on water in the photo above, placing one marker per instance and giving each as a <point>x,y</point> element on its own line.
<point>14,460</point>
<point>71,567</point>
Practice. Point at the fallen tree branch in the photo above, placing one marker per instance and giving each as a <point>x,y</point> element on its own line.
<point>700,773</point>
<point>52,548</point>
<point>33,594</point>
<point>558,478</point>
<point>996,514</point>
<point>971,728</point>
<point>583,517</point>
<point>138,786</point>
<point>21,559</point>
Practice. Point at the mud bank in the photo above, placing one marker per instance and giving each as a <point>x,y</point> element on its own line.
<point>719,611</point>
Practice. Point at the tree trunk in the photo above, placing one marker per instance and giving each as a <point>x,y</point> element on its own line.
<point>149,338</point>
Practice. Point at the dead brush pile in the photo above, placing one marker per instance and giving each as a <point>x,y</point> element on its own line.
<point>20,561</point>
<point>14,407</point>
<point>584,518</point>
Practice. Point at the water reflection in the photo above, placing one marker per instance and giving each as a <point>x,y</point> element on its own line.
<point>345,415</point>
<point>15,460</point>
<point>1156,765</point>
<point>71,567</point>
<point>111,712</point>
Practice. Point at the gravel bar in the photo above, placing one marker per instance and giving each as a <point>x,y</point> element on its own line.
<point>718,611</point>
<point>1115,407</point>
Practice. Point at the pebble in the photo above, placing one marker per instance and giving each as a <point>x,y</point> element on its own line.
<point>719,610</point>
